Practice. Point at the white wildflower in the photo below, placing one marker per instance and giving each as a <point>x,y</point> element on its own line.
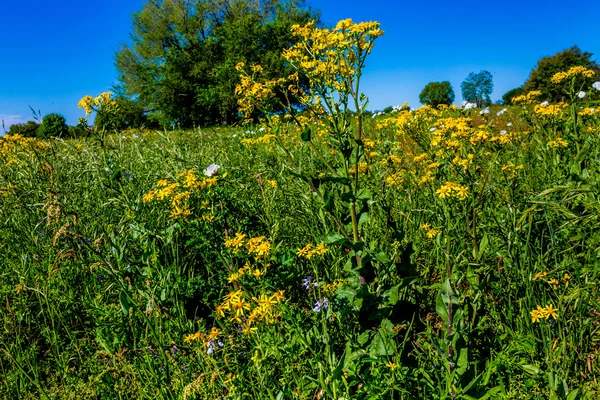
<point>211,170</point>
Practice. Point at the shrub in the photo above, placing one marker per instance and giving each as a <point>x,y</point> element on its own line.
<point>53,124</point>
<point>27,130</point>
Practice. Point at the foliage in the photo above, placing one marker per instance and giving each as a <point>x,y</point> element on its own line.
<point>29,129</point>
<point>476,88</point>
<point>129,114</point>
<point>53,125</point>
<point>435,253</point>
<point>181,64</point>
<point>508,96</point>
<point>436,93</point>
<point>539,78</point>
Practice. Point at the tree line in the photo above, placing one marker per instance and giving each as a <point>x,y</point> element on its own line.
<point>478,87</point>
<point>179,68</point>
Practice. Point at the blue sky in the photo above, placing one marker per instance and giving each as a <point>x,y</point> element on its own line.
<point>54,53</point>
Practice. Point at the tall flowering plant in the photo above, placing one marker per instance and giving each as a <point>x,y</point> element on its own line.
<point>331,105</point>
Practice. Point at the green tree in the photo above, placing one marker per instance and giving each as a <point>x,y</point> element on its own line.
<point>128,113</point>
<point>436,93</point>
<point>181,63</point>
<point>512,93</point>
<point>53,125</point>
<point>476,88</point>
<point>28,129</point>
<point>539,78</point>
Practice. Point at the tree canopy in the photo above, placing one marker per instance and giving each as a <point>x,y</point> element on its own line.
<point>511,94</point>
<point>436,93</point>
<point>539,78</point>
<point>181,63</point>
<point>476,88</point>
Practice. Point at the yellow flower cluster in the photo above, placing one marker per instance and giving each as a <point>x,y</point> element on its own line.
<point>543,313</point>
<point>589,111</point>
<point>552,282</point>
<point>309,250</point>
<point>253,95</point>
<point>464,162</point>
<point>558,142</point>
<point>333,286</point>
<point>430,232</point>
<point>180,192</point>
<point>529,98</point>
<point>511,169</point>
<point>246,270</point>
<point>363,167</point>
<point>12,145</point>
<point>236,242</point>
<point>451,189</point>
<point>102,103</point>
<point>203,337</point>
<point>448,131</point>
<point>259,247</point>
<point>571,73</point>
<point>331,56</point>
<point>247,312</point>
<point>191,180</point>
<point>395,179</point>
<point>550,110</point>
<point>265,139</point>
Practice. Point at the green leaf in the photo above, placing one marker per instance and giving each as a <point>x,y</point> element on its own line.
<point>306,134</point>
<point>392,295</point>
<point>328,200</point>
<point>463,361</point>
<point>448,294</point>
<point>126,302</point>
<point>364,337</point>
<point>531,369</point>
<point>382,258</point>
<point>378,347</point>
<point>346,292</point>
<point>335,238</point>
<point>364,195</point>
<point>364,217</point>
<point>573,394</point>
<point>482,246</point>
<point>441,308</point>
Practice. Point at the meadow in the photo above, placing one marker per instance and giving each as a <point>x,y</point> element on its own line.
<point>430,253</point>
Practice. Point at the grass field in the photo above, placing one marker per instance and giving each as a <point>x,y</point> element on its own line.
<point>128,272</point>
<point>321,253</point>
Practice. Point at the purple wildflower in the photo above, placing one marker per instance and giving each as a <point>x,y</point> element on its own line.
<point>322,304</point>
<point>309,282</point>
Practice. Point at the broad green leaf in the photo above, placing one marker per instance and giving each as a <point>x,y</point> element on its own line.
<point>306,134</point>
<point>531,369</point>
<point>441,308</point>
<point>126,302</point>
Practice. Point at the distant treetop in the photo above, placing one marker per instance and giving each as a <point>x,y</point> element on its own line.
<point>540,76</point>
